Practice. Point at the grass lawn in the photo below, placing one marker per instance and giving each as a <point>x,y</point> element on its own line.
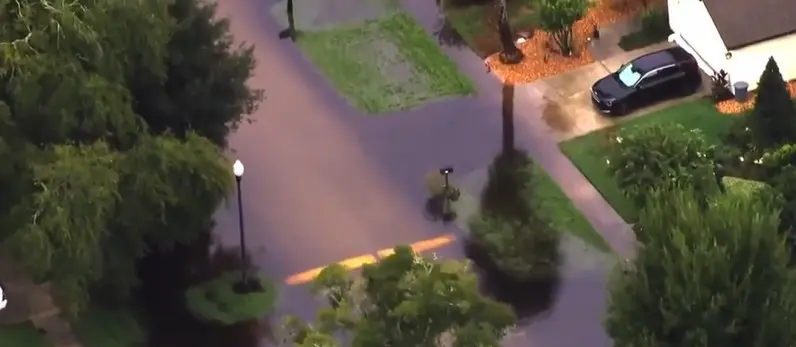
<point>562,213</point>
<point>385,65</point>
<point>640,39</point>
<point>21,335</point>
<point>105,328</point>
<point>743,186</point>
<point>476,23</point>
<point>217,301</point>
<point>588,152</point>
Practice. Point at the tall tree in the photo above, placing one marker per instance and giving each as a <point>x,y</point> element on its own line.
<point>404,300</point>
<point>714,277</point>
<point>507,119</point>
<point>171,202</point>
<point>510,53</point>
<point>773,120</point>
<point>98,100</point>
<point>205,88</point>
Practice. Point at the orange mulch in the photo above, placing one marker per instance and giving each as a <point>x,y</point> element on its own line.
<point>541,56</point>
<point>733,107</point>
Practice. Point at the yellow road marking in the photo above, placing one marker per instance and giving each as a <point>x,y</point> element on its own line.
<point>434,243</point>
<point>350,263</point>
<point>354,263</point>
<point>422,246</point>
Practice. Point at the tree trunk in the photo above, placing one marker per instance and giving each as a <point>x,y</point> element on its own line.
<point>507,118</point>
<point>510,54</point>
<point>290,20</point>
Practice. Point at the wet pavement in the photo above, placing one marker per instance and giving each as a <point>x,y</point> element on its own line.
<point>324,182</point>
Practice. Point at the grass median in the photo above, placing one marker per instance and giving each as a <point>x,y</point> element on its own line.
<point>385,65</point>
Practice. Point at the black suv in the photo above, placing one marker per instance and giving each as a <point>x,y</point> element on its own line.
<point>656,76</point>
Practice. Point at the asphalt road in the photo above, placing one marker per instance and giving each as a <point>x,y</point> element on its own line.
<point>325,183</point>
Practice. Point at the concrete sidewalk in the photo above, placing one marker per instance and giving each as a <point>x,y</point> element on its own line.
<point>32,302</point>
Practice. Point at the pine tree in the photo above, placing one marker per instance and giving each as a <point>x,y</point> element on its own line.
<point>773,120</point>
<point>707,278</point>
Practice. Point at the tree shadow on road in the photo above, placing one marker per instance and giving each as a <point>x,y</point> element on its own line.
<point>530,299</point>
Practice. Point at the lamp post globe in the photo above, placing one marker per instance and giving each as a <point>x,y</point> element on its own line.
<point>237,168</point>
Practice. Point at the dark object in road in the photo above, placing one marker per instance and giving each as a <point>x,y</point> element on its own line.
<point>653,77</point>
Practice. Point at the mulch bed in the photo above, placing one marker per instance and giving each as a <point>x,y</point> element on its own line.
<point>733,107</point>
<point>541,56</point>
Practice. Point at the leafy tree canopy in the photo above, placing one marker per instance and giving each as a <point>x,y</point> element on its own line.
<point>404,300</point>
<point>112,115</point>
<point>714,277</point>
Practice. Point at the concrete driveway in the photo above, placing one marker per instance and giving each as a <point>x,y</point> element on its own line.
<point>568,111</point>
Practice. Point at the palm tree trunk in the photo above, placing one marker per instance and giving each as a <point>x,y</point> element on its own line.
<point>510,54</point>
<point>507,118</point>
<point>290,20</point>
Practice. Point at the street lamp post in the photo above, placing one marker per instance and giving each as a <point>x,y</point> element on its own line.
<point>245,284</point>
<point>445,172</point>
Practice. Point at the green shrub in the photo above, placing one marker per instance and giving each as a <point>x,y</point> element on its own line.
<point>773,120</point>
<point>517,239</point>
<point>661,156</point>
<point>525,251</point>
<point>655,21</point>
<point>509,186</point>
<point>216,300</point>
<point>701,273</point>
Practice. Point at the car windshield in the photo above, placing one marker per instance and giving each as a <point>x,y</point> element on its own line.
<point>628,75</point>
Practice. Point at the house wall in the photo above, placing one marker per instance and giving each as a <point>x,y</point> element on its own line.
<point>748,63</point>
<point>695,32</point>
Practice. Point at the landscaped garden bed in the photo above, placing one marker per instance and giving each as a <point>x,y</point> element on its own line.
<point>475,21</point>
<point>731,106</point>
<point>542,59</point>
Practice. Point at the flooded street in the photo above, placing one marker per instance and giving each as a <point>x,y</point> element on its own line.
<point>325,182</point>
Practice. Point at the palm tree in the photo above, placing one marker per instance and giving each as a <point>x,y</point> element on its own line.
<point>510,54</point>
<point>507,119</point>
<point>291,24</point>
